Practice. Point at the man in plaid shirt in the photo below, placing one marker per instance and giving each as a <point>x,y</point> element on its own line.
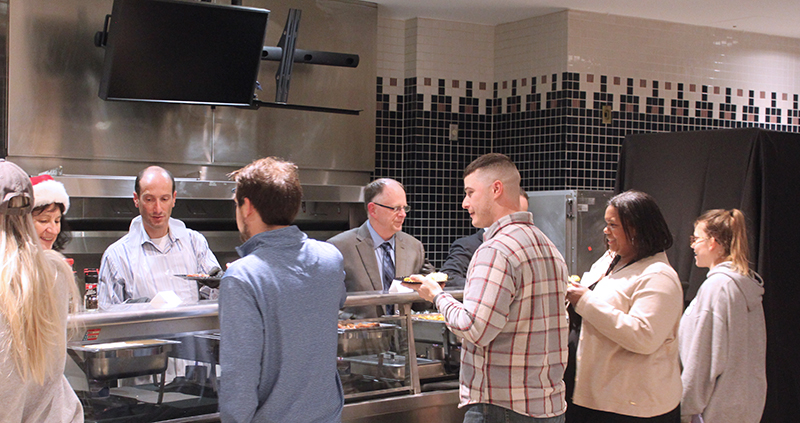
<point>513,321</point>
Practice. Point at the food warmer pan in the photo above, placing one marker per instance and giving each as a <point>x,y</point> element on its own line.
<point>117,360</point>
<point>366,338</point>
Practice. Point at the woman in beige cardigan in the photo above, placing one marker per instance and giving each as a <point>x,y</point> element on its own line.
<point>628,368</point>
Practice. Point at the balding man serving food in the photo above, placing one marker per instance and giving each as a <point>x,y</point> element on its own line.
<point>513,321</point>
<point>157,247</point>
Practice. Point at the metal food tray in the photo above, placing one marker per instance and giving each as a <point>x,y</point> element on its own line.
<point>434,331</point>
<point>430,330</point>
<point>118,360</point>
<point>372,340</point>
<point>392,366</point>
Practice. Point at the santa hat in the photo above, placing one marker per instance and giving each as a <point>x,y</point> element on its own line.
<point>47,190</point>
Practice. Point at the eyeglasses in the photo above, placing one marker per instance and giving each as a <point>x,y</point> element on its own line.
<point>395,209</point>
<point>693,239</point>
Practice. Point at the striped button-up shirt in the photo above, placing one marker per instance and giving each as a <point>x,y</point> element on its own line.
<point>513,321</point>
<point>134,267</point>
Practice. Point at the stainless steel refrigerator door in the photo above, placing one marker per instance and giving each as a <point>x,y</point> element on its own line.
<point>574,221</point>
<point>589,224</point>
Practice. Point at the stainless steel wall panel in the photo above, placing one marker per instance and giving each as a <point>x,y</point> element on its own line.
<point>313,140</point>
<point>57,119</point>
<point>54,108</point>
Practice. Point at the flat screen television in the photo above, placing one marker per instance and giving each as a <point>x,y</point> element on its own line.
<point>174,51</point>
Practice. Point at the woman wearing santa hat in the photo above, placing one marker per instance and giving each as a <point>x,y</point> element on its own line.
<point>51,202</point>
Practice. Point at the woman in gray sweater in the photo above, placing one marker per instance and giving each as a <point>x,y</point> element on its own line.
<point>722,335</point>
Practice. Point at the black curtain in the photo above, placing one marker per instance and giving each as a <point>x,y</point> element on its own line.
<point>758,172</point>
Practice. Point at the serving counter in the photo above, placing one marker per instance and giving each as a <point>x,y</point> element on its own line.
<point>139,364</point>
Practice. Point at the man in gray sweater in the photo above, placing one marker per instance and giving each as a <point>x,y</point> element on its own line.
<point>278,308</point>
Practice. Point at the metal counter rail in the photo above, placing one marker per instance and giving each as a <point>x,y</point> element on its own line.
<point>381,298</point>
<point>137,320</point>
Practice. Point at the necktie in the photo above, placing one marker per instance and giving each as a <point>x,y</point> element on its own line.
<point>388,272</point>
<point>388,265</point>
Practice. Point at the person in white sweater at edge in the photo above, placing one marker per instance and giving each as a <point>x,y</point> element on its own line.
<point>628,368</point>
<point>37,291</point>
<point>723,341</point>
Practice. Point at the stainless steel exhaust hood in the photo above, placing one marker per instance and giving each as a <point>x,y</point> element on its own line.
<point>102,208</point>
<point>103,186</point>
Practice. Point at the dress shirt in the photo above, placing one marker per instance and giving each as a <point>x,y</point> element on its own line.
<point>513,321</point>
<point>377,241</point>
<point>134,267</point>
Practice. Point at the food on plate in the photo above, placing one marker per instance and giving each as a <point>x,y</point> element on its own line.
<point>362,325</point>
<point>438,317</point>
<point>436,276</point>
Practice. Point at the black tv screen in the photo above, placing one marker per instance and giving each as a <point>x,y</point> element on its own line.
<point>183,52</point>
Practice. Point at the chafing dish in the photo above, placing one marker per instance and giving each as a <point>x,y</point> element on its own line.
<point>367,340</point>
<point>434,340</point>
<point>116,360</point>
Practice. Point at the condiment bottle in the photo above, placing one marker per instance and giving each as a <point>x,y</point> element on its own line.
<point>90,297</point>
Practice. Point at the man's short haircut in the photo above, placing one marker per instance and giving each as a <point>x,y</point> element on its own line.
<point>375,188</point>
<point>273,187</point>
<point>524,194</point>
<point>138,188</point>
<point>492,161</point>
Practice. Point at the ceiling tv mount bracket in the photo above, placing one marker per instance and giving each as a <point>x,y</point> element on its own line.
<point>287,54</point>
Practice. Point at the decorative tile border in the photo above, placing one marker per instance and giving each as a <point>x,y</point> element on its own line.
<point>550,125</point>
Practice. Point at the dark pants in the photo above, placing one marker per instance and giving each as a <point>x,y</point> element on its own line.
<point>488,413</point>
<point>587,415</point>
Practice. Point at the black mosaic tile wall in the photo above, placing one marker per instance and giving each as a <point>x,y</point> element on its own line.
<point>413,146</point>
<point>551,127</point>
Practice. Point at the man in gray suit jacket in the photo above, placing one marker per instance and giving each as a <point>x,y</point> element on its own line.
<point>367,262</point>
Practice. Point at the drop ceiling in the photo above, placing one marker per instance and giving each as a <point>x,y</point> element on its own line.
<point>772,17</point>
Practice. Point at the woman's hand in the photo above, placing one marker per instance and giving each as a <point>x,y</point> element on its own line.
<point>574,292</point>
<point>427,289</point>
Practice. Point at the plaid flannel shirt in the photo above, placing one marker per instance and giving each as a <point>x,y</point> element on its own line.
<point>513,321</point>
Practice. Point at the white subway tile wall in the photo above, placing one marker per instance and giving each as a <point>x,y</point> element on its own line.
<point>535,90</point>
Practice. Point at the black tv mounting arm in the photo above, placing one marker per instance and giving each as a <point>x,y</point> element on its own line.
<point>287,54</point>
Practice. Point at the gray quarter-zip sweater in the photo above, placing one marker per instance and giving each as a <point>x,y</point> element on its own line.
<point>723,343</point>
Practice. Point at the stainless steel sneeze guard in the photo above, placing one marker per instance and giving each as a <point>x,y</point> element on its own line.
<point>198,314</point>
<point>138,322</point>
<point>407,403</point>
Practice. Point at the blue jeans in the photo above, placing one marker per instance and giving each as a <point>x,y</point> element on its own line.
<point>488,413</point>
